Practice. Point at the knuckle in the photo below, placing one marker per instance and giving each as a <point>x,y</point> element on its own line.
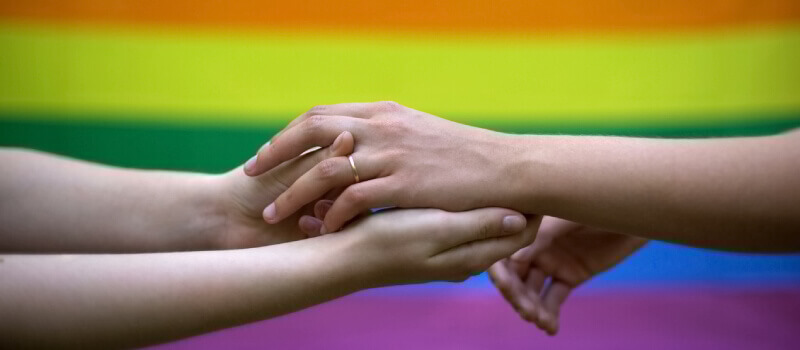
<point>318,109</point>
<point>314,123</point>
<point>327,169</point>
<point>386,106</point>
<point>356,195</point>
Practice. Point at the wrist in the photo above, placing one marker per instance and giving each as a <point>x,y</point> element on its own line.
<point>363,258</point>
<point>360,264</point>
<point>206,215</point>
<point>522,169</point>
<point>344,260</point>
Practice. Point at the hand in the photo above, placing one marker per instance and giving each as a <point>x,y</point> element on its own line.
<point>406,246</point>
<point>537,279</point>
<point>243,198</point>
<point>404,158</point>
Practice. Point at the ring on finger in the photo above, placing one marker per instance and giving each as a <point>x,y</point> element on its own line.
<point>353,167</point>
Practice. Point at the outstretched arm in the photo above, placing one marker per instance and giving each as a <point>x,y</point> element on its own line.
<point>55,204</point>
<point>51,203</point>
<point>730,193</point>
<point>119,300</point>
<point>735,193</point>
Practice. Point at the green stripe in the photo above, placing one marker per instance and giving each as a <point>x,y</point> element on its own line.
<point>216,149</point>
<point>194,76</point>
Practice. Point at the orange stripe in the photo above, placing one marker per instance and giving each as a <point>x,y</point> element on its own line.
<point>442,15</point>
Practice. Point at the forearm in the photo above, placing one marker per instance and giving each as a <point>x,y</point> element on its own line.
<point>50,203</point>
<point>113,301</point>
<point>737,193</point>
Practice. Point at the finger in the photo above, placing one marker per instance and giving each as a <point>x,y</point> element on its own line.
<point>534,282</point>
<point>328,174</point>
<point>335,193</point>
<point>486,223</point>
<point>309,225</point>
<point>479,224</point>
<point>503,278</point>
<point>483,236</point>
<point>357,199</point>
<point>556,262</point>
<point>549,228</point>
<point>513,290</point>
<point>314,131</point>
<point>321,208</point>
<point>356,110</point>
<point>288,172</point>
<point>553,297</point>
<point>524,255</point>
<point>521,260</point>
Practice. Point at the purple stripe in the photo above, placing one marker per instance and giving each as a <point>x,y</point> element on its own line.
<point>696,318</point>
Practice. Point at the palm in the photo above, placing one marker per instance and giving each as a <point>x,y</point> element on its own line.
<point>538,278</point>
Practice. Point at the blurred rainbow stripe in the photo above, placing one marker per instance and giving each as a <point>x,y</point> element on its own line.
<point>501,64</point>
<point>200,85</point>
<point>420,15</point>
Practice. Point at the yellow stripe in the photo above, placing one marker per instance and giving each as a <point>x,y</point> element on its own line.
<point>197,76</point>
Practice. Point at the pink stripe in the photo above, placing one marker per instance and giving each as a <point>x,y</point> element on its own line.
<point>668,319</point>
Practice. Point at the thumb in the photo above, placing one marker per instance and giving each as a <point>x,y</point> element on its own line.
<point>479,224</point>
<point>477,255</point>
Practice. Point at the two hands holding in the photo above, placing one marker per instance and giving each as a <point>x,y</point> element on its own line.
<point>542,213</point>
<point>384,155</point>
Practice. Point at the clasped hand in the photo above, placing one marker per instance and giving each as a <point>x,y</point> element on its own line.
<point>410,159</point>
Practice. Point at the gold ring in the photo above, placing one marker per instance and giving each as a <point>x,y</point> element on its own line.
<point>353,166</point>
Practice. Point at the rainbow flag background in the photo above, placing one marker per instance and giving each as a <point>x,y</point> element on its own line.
<point>200,85</point>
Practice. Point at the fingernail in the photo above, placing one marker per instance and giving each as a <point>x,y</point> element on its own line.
<point>310,225</point>
<point>323,230</point>
<point>270,213</point>
<point>321,208</point>
<point>250,164</point>
<point>513,223</point>
<point>337,142</point>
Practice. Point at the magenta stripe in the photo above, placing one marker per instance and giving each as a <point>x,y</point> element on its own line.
<point>698,318</point>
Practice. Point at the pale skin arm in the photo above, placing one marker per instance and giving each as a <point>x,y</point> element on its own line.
<point>735,193</point>
<point>120,301</point>
<point>50,203</point>
<point>115,301</point>
<point>729,193</point>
